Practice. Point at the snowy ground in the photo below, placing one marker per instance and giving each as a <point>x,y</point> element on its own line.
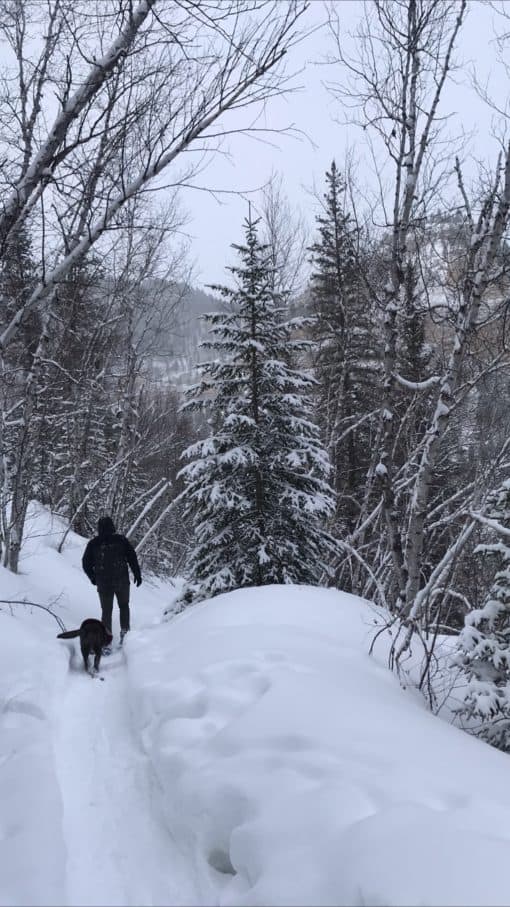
<point>79,802</point>
<point>247,751</point>
<point>118,850</point>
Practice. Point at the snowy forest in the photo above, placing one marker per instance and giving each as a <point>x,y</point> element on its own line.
<point>335,412</point>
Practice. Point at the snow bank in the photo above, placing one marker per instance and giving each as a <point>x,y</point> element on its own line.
<point>289,766</point>
<point>295,770</point>
<point>32,849</point>
<point>33,669</point>
<point>34,678</point>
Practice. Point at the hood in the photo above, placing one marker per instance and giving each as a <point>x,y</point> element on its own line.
<point>105,526</point>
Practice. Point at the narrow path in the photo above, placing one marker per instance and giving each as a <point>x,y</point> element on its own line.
<point>118,850</point>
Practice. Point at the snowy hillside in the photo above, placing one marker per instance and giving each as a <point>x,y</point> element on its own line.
<point>248,751</point>
<point>176,344</point>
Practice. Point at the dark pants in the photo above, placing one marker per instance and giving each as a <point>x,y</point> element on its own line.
<point>106,598</point>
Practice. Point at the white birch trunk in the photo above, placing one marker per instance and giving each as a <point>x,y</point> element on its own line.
<point>487,242</point>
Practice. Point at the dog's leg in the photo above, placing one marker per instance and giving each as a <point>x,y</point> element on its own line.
<point>97,659</point>
<point>85,651</point>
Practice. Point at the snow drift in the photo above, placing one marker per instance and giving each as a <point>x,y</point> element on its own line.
<point>32,847</point>
<point>248,751</point>
<point>296,771</point>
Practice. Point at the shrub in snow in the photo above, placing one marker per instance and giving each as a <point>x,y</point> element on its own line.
<point>484,644</point>
<point>257,488</point>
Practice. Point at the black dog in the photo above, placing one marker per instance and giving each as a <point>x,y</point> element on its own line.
<point>93,636</point>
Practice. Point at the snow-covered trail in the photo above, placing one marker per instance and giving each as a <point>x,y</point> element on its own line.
<point>118,850</point>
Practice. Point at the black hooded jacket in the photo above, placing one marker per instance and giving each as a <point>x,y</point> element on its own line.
<point>107,556</point>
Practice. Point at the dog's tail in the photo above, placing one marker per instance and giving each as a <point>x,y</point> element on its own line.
<point>69,634</point>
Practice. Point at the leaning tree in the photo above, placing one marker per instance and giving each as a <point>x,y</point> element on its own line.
<point>136,89</point>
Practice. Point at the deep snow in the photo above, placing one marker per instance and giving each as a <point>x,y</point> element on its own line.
<point>118,850</point>
<point>300,771</point>
<point>79,802</point>
<point>247,751</point>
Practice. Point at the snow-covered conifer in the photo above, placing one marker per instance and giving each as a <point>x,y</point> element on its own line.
<point>484,644</point>
<point>346,355</point>
<point>257,488</point>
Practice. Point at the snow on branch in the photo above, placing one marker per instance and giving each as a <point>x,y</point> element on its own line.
<point>355,554</point>
<point>148,507</point>
<point>417,385</point>
<point>439,572</point>
<point>42,164</point>
<point>154,526</point>
<point>491,523</point>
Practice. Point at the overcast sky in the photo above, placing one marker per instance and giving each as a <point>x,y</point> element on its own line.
<point>214,225</point>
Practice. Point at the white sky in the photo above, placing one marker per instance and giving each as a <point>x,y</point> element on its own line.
<point>215,224</point>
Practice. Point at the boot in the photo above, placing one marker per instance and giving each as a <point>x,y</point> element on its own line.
<point>122,635</point>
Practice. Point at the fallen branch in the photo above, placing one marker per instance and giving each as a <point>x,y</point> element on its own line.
<point>8,601</point>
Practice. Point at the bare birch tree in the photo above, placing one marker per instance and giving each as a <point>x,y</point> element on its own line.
<point>405,54</point>
<point>286,234</point>
<point>157,90</point>
<point>135,87</point>
<point>402,59</point>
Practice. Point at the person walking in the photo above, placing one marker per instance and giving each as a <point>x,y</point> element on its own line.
<point>105,561</point>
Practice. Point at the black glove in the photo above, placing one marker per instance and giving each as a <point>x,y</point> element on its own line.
<point>138,580</point>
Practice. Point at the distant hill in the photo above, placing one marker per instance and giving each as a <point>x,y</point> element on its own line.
<point>174,336</point>
<point>178,336</point>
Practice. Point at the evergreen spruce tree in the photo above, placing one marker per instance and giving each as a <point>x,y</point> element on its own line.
<point>76,406</point>
<point>484,644</point>
<point>18,275</point>
<point>347,357</point>
<point>257,489</point>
